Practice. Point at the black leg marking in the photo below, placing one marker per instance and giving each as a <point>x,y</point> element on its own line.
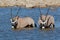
<point>53,25</point>
<point>47,27</point>
<point>26,26</point>
<point>29,26</point>
<point>40,26</point>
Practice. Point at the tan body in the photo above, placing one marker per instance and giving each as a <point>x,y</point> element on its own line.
<point>51,19</point>
<point>22,22</point>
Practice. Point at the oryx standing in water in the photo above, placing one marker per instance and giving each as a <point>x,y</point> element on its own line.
<point>46,21</point>
<point>18,22</point>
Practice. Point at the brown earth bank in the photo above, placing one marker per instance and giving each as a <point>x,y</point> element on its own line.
<point>30,3</point>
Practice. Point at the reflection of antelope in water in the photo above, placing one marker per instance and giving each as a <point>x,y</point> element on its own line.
<point>18,22</point>
<point>46,21</point>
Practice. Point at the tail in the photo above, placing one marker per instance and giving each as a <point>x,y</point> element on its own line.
<point>35,25</point>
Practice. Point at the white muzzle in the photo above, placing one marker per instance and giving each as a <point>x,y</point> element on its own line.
<point>12,27</point>
<point>43,27</point>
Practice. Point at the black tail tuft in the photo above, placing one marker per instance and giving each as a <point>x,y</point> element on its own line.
<point>35,25</point>
<point>53,26</point>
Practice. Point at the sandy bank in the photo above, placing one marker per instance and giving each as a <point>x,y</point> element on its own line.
<point>29,3</point>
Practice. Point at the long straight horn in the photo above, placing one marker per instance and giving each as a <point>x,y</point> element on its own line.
<point>18,11</point>
<point>11,12</point>
<point>40,14</point>
<point>47,12</point>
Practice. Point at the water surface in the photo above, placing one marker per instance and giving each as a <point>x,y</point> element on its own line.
<point>6,33</point>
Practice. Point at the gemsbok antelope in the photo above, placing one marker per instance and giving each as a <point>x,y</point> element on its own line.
<point>20,23</point>
<point>46,21</point>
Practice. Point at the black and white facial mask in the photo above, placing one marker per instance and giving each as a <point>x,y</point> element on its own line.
<point>43,23</point>
<point>14,23</point>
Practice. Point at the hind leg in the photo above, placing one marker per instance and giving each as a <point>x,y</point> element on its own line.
<point>34,25</point>
<point>31,26</point>
<point>52,25</point>
<point>27,26</point>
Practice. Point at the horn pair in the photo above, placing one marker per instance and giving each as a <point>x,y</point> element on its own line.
<point>46,14</point>
<point>17,12</point>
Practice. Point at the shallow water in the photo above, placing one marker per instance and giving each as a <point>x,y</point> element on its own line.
<point>6,33</point>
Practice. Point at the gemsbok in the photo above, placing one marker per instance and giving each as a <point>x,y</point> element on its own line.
<point>20,23</point>
<point>46,21</point>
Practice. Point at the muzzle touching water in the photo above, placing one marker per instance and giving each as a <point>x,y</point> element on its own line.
<point>14,24</point>
<point>43,24</point>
